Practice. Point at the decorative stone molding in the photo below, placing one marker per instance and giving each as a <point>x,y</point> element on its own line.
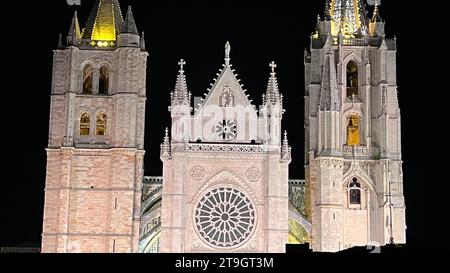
<point>253,175</point>
<point>228,156</point>
<point>347,165</point>
<point>196,243</point>
<point>229,178</point>
<point>252,243</point>
<point>197,173</point>
<point>331,163</point>
<point>360,151</point>
<point>158,180</point>
<point>353,57</point>
<point>218,148</point>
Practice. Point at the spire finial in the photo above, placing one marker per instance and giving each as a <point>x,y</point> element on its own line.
<point>286,149</point>
<point>165,146</point>
<point>74,31</point>
<point>142,42</point>
<point>227,53</point>
<point>60,44</point>
<point>129,24</point>
<point>182,63</point>
<point>273,94</point>
<point>376,13</point>
<point>181,95</point>
<point>273,65</point>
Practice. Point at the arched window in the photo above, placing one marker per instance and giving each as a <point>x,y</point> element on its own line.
<point>103,84</point>
<point>85,124</point>
<point>354,192</point>
<point>88,76</point>
<point>226,98</point>
<point>101,125</point>
<point>353,131</point>
<point>352,79</point>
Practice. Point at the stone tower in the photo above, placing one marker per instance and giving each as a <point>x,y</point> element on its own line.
<point>96,140</point>
<point>225,170</point>
<point>353,141</point>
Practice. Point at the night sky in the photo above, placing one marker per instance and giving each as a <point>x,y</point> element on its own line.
<point>259,32</point>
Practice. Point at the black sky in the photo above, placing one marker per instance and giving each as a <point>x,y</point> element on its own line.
<point>259,32</point>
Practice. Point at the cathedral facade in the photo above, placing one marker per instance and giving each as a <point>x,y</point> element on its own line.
<point>225,170</point>
<point>225,183</point>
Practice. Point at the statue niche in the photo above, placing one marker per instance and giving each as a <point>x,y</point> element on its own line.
<point>226,98</point>
<point>353,138</point>
<point>352,79</point>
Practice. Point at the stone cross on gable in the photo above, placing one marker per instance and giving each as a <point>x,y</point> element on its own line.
<point>182,63</point>
<point>273,66</point>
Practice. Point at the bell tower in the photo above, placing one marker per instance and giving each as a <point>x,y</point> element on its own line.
<point>353,133</point>
<point>96,139</point>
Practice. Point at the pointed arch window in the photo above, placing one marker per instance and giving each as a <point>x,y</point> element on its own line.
<point>100,129</point>
<point>353,131</point>
<point>354,192</point>
<point>85,124</point>
<point>352,79</point>
<point>88,76</point>
<point>103,84</point>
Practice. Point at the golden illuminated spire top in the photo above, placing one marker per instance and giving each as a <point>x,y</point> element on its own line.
<point>346,16</point>
<point>104,23</point>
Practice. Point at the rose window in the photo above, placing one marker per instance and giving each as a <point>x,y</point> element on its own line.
<point>225,217</point>
<point>226,130</point>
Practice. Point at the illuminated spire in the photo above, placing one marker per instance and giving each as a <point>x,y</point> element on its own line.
<point>104,23</point>
<point>376,14</point>
<point>181,95</point>
<point>165,146</point>
<point>273,100</point>
<point>327,13</point>
<point>129,25</point>
<point>286,150</point>
<point>74,31</point>
<point>316,33</point>
<point>347,16</point>
<point>375,24</point>
<point>272,95</point>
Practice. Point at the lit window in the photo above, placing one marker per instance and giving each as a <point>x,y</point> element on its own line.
<point>353,138</point>
<point>101,125</point>
<point>85,124</point>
